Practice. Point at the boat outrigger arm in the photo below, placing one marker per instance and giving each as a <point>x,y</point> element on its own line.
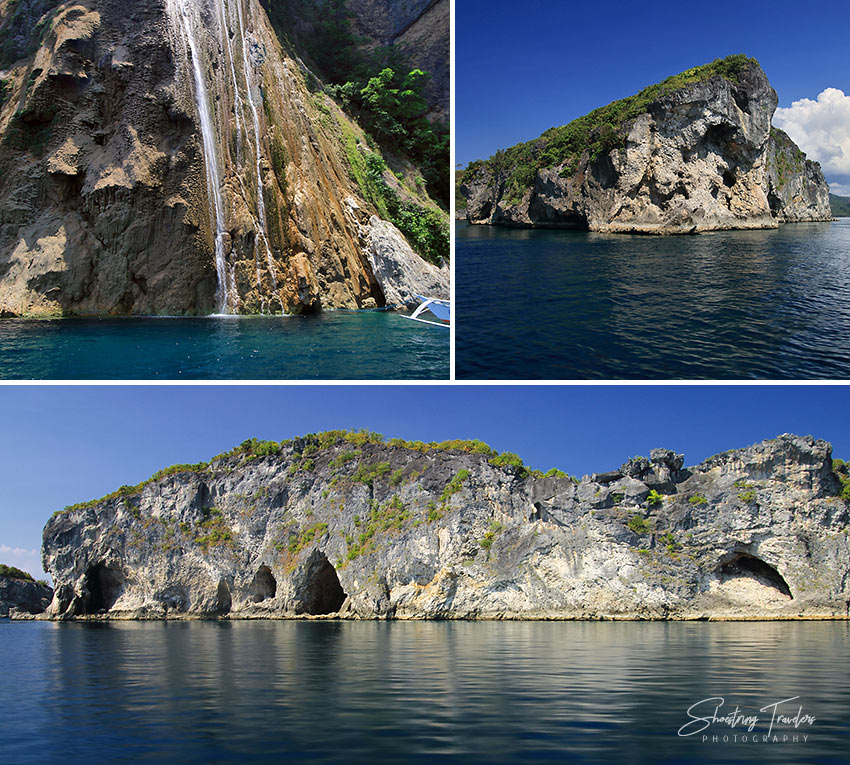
<point>441,309</point>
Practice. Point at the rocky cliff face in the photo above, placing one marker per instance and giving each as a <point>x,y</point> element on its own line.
<point>701,155</point>
<point>420,27</point>
<point>22,596</point>
<point>347,524</point>
<point>167,157</point>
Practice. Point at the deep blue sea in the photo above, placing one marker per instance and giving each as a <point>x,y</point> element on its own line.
<point>459,692</point>
<point>329,346</point>
<point>535,304</point>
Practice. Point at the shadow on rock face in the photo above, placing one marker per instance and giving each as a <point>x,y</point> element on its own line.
<point>320,591</point>
<point>104,586</point>
<point>264,585</point>
<point>746,577</point>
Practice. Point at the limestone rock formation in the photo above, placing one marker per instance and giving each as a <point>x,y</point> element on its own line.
<point>347,524</point>
<point>23,596</point>
<point>168,157</point>
<point>694,153</point>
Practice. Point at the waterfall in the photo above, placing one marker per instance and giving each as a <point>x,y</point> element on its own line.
<point>237,110</point>
<point>261,203</point>
<point>187,14</point>
<point>181,12</point>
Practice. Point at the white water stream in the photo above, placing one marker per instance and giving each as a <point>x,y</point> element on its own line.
<point>187,14</point>
<point>261,203</point>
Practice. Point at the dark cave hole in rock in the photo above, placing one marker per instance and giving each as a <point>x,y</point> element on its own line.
<point>754,568</point>
<point>323,594</point>
<point>729,178</point>
<point>741,99</point>
<point>263,586</point>
<point>223,598</point>
<point>104,585</point>
<point>775,203</point>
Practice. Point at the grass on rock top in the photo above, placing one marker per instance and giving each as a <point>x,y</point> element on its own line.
<point>314,443</point>
<point>597,132</point>
<point>11,572</point>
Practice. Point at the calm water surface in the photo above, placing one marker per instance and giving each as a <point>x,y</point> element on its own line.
<point>391,692</point>
<point>725,305</point>
<point>333,345</point>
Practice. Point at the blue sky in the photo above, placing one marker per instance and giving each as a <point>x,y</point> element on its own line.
<point>62,445</point>
<point>522,68</point>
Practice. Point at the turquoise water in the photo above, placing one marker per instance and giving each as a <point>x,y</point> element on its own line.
<point>534,304</point>
<point>332,345</point>
<point>464,692</point>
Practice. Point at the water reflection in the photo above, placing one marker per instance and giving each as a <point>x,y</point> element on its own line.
<point>363,691</point>
<point>732,304</point>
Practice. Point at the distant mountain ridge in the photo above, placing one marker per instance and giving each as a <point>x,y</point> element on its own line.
<point>840,206</point>
<point>693,153</point>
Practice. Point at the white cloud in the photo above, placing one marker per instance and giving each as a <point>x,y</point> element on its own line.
<point>822,129</point>
<point>842,189</point>
<point>26,560</point>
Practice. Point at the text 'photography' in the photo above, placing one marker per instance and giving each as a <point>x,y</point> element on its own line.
<point>206,592</point>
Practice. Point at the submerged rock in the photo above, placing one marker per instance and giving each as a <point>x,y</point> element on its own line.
<point>345,524</point>
<point>694,153</point>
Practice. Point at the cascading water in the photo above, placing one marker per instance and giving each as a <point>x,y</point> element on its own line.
<point>261,204</point>
<point>187,15</point>
<point>185,12</point>
<point>237,111</point>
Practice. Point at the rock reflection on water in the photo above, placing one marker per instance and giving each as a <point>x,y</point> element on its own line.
<point>385,691</point>
<point>546,304</point>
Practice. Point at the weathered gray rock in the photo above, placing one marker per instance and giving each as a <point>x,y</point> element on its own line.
<point>797,190</point>
<point>699,158</point>
<point>401,273</point>
<point>374,530</point>
<point>23,596</point>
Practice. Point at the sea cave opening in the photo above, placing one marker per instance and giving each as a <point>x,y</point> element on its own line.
<point>224,600</point>
<point>745,566</point>
<point>263,586</point>
<point>104,585</point>
<point>323,594</point>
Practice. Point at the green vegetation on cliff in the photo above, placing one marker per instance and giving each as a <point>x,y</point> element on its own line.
<point>425,229</point>
<point>840,206</point>
<point>10,572</point>
<point>842,473</point>
<point>313,443</point>
<point>789,159</point>
<point>376,83</point>
<point>597,132</point>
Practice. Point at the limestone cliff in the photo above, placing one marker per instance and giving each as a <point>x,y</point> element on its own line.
<point>346,523</point>
<point>21,596</point>
<point>693,153</point>
<point>167,157</point>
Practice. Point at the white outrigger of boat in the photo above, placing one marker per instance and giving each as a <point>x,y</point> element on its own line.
<point>441,309</point>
